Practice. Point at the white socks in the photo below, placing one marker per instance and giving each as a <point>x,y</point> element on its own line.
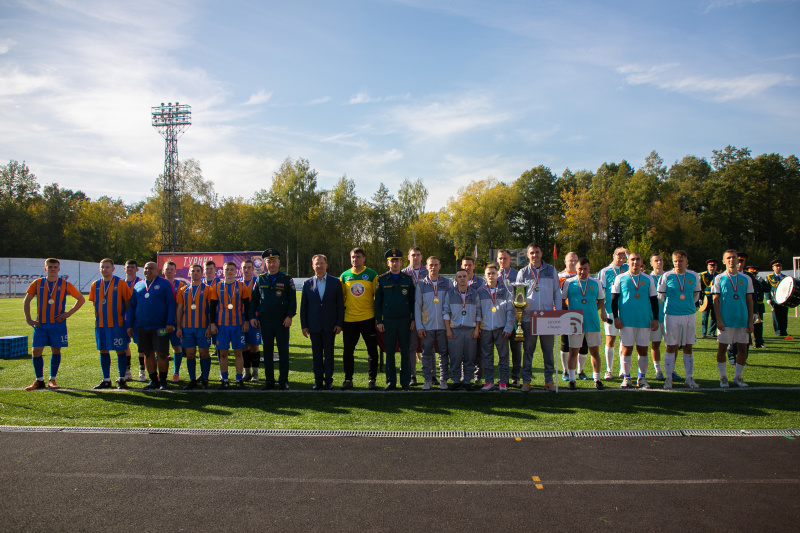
<point>643,362</point>
<point>669,364</point>
<point>688,365</point>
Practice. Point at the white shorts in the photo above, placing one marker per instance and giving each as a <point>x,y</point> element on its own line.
<point>733,336</point>
<point>629,337</point>
<point>657,335</point>
<point>592,339</point>
<point>611,329</point>
<point>681,330</point>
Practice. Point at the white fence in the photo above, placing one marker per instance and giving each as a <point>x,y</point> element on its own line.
<point>16,274</point>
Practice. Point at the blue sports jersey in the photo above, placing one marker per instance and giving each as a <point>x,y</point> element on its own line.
<point>573,291</point>
<point>733,291</point>
<point>606,278</point>
<point>679,290</point>
<point>634,299</point>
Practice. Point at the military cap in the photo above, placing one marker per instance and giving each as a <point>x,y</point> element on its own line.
<point>743,256</point>
<point>393,253</point>
<point>712,262</point>
<point>271,253</point>
<point>752,269</point>
<point>776,262</point>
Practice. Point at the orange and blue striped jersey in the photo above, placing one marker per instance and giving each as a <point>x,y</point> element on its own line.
<point>130,284</point>
<point>110,302</point>
<point>230,294</point>
<point>250,285</point>
<point>47,291</point>
<point>200,297</point>
<point>177,286</point>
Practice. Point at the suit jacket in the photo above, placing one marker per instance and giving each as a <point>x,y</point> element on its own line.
<point>322,314</point>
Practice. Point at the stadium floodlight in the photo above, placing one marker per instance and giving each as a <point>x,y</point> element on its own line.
<point>171,120</point>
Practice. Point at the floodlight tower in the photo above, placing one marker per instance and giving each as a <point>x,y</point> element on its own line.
<point>171,120</point>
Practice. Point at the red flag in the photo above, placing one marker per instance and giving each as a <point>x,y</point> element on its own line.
<point>555,251</point>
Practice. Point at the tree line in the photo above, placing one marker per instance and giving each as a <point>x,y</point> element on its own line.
<point>734,201</point>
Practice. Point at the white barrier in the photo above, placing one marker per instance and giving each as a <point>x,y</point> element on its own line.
<point>16,274</point>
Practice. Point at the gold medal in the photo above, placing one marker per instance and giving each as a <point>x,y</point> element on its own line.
<point>683,296</point>
<point>494,309</point>
<point>436,300</point>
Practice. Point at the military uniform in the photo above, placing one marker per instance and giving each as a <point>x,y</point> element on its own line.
<point>394,308</point>
<point>760,287</point>
<point>708,321</point>
<point>780,313</point>
<point>274,298</point>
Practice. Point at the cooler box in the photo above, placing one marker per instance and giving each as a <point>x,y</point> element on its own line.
<point>11,347</point>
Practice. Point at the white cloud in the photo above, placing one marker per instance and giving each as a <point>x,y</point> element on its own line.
<point>716,88</point>
<point>714,4</point>
<point>364,98</point>
<point>258,98</point>
<point>317,101</point>
<point>6,45</point>
<point>449,117</point>
<point>14,82</point>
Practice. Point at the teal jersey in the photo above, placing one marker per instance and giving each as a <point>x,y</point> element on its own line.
<point>679,290</point>
<point>583,296</point>
<point>733,291</point>
<point>606,278</point>
<point>634,299</point>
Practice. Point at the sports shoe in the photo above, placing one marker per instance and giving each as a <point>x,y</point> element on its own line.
<point>37,384</point>
<point>526,387</point>
<point>283,386</point>
<point>443,385</point>
<point>370,385</point>
<point>599,385</point>
<point>122,384</point>
<point>550,387</point>
<point>204,384</point>
<point>413,382</point>
<point>676,377</point>
<point>128,375</point>
<point>348,384</point>
<point>503,387</point>
<point>740,383</point>
<point>52,384</point>
<point>564,377</point>
<point>582,376</point>
<point>572,386</point>
<point>153,385</point>
<point>240,384</point>
<point>514,383</point>
<point>255,375</point>
<point>191,385</point>
<point>224,386</point>
<point>142,376</point>
<point>102,385</point>
<point>175,378</point>
<point>626,383</point>
<point>668,383</point>
<point>426,386</point>
<point>247,376</point>
<point>642,383</point>
<point>390,387</point>
<point>723,382</point>
<point>487,386</point>
<point>691,383</point>
<point>659,376</point>
<point>608,375</point>
<point>163,385</point>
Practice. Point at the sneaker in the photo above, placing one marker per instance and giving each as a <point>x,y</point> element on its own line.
<point>370,385</point>
<point>153,385</point>
<point>247,376</point>
<point>668,383</point>
<point>413,382</point>
<point>572,386</point>
<point>526,387</point>
<point>723,382</point>
<point>514,383</point>
<point>487,386</point>
<point>427,385</point>
<point>240,384</point>
<point>163,385</point>
<point>255,375</point>
<point>443,385</point>
<point>175,378</point>
<point>740,383</point>
<point>691,383</point>
<point>608,375</point>
<point>503,387</point>
<point>564,377</point>
<point>642,383</point>
<point>283,386</point>
<point>626,383</point>
<point>102,385</point>
<point>203,384</point>
<point>599,385</point>
<point>224,386</point>
<point>37,384</point>
<point>348,384</point>
<point>550,387</point>
<point>191,385</point>
<point>390,387</point>
<point>659,376</point>
<point>142,376</point>
<point>582,376</point>
<point>52,384</point>
<point>122,384</point>
<point>676,377</point>
<point>128,375</point>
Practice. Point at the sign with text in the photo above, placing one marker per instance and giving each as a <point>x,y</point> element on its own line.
<point>556,322</point>
<point>184,261</point>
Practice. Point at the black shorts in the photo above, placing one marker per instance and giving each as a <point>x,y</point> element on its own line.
<point>150,341</point>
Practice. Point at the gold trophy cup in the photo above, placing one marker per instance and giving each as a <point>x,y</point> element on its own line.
<point>520,304</point>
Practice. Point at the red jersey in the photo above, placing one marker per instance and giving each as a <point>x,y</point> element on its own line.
<point>51,298</point>
<point>110,302</point>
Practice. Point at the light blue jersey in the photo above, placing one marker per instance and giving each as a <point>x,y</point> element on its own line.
<point>733,291</point>
<point>634,299</point>
<point>680,291</point>
<point>583,296</point>
<point>606,278</point>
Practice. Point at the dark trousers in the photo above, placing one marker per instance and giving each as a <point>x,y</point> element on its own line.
<point>758,329</point>
<point>515,347</point>
<point>322,353</point>
<point>274,333</point>
<point>397,330</point>
<point>780,320</point>
<point>708,321</point>
<point>350,334</point>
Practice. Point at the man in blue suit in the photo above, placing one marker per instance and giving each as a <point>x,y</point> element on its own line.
<point>322,317</point>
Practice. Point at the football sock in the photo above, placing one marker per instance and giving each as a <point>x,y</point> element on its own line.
<point>239,377</point>
<point>105,365</point>
<point>224,376</point>
<point>178,358</point>
<point>688,365</point>
<point>205,367</point>
<point>122,364</point>
<point>581,361</point>
<point>609,358</point>
<point>191,367</point>
<point>564,356</point>
<point>626,366</point>
<point>657,366</point>
<point>739,369</point>
<point>669,364</point>
<point>571,374</point>
<point>38,367</point>
<point>153,376</point>
<point>722,370</point>
<point>141,363</point>
<point>255,359</point>
<point>643,363</point>
<point>596,376</point>
<point>55,362</point>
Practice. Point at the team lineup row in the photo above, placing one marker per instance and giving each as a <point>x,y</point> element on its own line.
<point>410,310</point>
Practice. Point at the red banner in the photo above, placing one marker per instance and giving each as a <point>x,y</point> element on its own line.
<point>184,262</point>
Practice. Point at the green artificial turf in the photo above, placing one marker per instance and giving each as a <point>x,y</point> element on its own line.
<point>76,405</point>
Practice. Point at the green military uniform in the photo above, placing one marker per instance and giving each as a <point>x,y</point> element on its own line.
<point>780,313</point>
<point>273,299</point>
<point>394,308</point>
<point>760,286</point>
<point>708,320</point>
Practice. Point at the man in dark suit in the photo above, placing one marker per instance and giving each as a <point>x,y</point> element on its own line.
<point>322,317</point>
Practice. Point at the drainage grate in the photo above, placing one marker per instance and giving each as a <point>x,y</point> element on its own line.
<point>629,433</point>
<point>736,432</point>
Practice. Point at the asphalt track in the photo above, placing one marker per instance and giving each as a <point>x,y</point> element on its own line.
<point>63,481</point>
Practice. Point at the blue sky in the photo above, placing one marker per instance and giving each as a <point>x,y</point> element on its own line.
<point>443,90</point>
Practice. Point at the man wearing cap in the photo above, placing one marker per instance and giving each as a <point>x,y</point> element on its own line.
<point>708,322</point>
<point>394,314</point>
<point>417,271</point>
<point>780,313</point>
<point>275,301</point>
